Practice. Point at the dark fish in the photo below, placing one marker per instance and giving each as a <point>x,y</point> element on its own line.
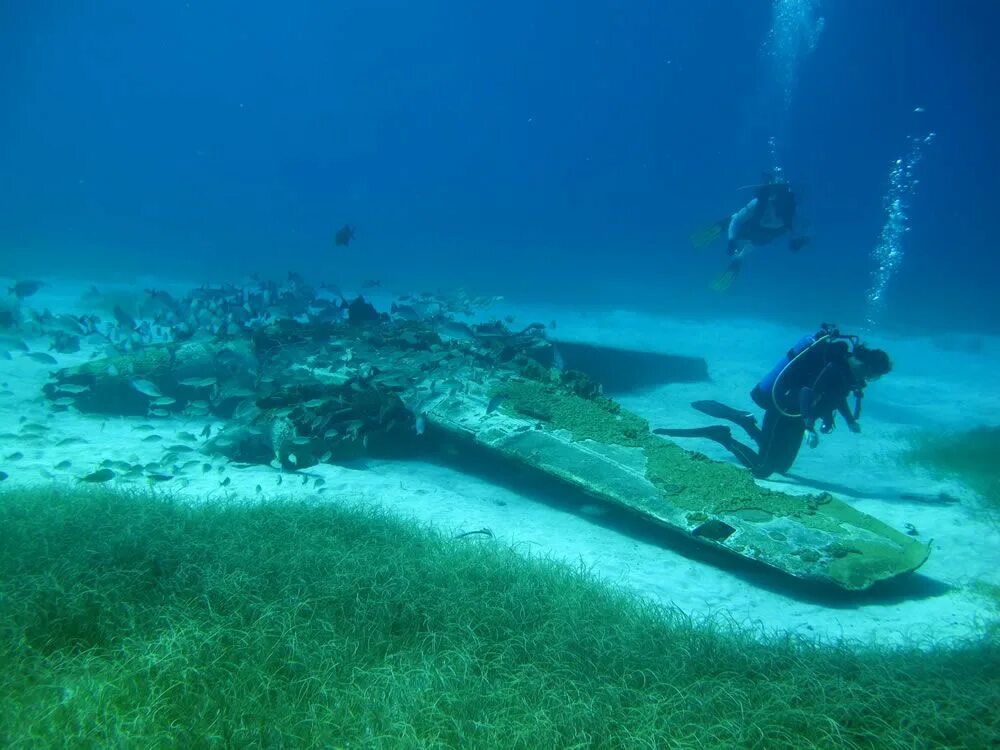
<point>45,359</point>
<point>124,319</point>
<point>3,475</point>
<point>371,284</point>
<point>101,475</point>
<point>63,343</point>
<point>159,477</point>
<point>344,236</point>
<point>24,289</point>
<point>72,440</point>
<point>14,343</point>
<point>406,312</point>
<point>454,330</point>
<point>495,403</point>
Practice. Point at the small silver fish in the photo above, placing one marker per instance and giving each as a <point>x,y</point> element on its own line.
<point>71,441</point>
<point>198,382</point>
<point>146,388</point>
<point>43,358</point>
<point>73,388</point>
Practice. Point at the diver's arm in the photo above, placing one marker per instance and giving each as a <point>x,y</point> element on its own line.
<point>845,411</point>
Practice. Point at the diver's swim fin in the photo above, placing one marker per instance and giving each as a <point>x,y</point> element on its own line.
<point>739,417</point>
<point>717,432</point>
<point>720,410</point>
<point>707,235</point>
<point>727,277</point>
<point>721,435</point>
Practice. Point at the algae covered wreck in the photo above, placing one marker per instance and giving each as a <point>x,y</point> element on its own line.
<point>298,390</point>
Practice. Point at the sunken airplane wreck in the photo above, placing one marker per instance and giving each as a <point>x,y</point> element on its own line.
<point>304,377</point>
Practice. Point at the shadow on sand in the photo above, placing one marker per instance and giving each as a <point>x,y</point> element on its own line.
<point>556,494</point>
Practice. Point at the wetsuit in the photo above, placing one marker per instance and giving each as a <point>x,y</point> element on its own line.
<point>797,393</point>
<point>770,214</point>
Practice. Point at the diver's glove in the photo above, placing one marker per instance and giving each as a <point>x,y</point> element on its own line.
<point>812,439</point>
<point>854,427</point>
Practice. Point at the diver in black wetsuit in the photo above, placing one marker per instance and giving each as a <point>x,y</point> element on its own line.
<point>769,215</point>
<point>812,382</point>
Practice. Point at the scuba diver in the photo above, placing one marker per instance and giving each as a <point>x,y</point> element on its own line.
<point>769,215</point>
<point>810,383</point>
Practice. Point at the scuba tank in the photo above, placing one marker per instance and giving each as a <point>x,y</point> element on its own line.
<point>770,386</point>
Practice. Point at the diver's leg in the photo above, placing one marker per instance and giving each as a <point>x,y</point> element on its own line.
<point>781,438</point>
<point>739,417</point>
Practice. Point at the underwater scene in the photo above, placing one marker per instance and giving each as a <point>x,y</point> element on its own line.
<point>524,375</point>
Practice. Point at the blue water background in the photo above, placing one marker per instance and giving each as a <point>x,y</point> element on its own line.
<point>545,151</point>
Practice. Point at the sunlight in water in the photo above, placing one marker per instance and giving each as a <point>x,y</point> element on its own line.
<point>795,29</point>
<point>888,253</point>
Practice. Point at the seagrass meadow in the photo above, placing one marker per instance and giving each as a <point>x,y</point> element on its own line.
<point>135,620</point>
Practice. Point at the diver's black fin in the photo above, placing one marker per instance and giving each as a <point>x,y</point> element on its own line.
<point>744,419</point>
<point>717,432</point>
<point>721,435</point>
<point>720,410</point>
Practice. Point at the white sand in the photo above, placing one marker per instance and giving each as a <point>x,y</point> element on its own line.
<point>934,386</point>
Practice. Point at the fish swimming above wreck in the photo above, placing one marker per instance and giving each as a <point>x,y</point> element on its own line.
<point>343,236</point>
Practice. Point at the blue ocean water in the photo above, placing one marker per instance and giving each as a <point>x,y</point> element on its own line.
<point>551,151</point>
